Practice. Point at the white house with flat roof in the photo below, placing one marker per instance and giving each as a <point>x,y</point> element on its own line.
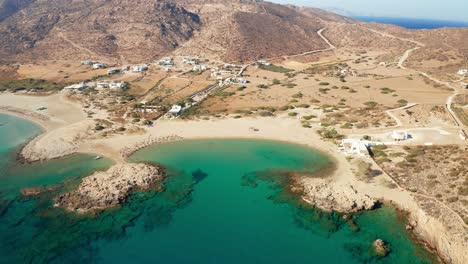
<point>139,68</point>
<point>199,68</point>
<point>399,135</point>
<point>117,85</point>
<point>102,85</point>
<point>99,66</point>
<point>175,110</point>
<point>358,147</point>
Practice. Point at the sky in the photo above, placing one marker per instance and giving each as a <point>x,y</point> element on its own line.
<point>453,10</point>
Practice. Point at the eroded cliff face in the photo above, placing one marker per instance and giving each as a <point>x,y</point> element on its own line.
<point>107,189</point>
<point>444,233</point>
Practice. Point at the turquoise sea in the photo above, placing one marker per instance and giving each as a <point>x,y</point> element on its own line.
<point>224,201</point>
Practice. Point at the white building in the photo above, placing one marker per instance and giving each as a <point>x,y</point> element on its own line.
<point>189,60</point>
<point>175,110</point>
<point>139,68</point>
<point>99,66</point>
<point>167,61</point>
<point>199,68</point>
<point>462,72</point>
<point>102,85</point>
<point>357,147</point>
<point>113,71</point>
<point>264,62</point>
<point>238,80</point>
<point>78,86</point>
<point>117,85</point>
<point>399,135</point>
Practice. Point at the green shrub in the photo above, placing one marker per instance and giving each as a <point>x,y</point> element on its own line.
<point>309,117</point>
<point>298,95</point>
<point>402,102</point>
<point>370,104</point>
<point>275,68</point>
<point>331,133</point>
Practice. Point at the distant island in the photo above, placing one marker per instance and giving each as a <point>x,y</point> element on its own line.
<point>413,23</point>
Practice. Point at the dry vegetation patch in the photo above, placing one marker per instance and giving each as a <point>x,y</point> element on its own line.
<point>439,172</point>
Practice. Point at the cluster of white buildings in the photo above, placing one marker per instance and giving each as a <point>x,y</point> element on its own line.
<point>167,63</point>
<point>99,85</point>
<point>190,60</point>
<point>220,73</point>
<point>360,147</point>
<point>199,68</point>
<point>232,80</point>
<point>111,85</point>
<point>94,65</point>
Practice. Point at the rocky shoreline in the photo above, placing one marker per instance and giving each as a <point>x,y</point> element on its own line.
<point>110,188</point>
<point>328,195</point>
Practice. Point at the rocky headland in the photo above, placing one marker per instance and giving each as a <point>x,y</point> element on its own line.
<point>329,195</point>
<point>110,188</point>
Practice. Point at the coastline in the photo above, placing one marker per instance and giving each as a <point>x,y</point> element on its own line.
<point>277,129</point>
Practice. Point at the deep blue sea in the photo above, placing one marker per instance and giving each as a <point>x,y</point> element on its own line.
<point>413,23</point>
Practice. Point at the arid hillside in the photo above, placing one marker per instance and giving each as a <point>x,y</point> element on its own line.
<point>128,31</point>
<point>119,29</point>
<point>140,31</point>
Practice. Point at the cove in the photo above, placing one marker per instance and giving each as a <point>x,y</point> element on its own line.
<point>224,201</point>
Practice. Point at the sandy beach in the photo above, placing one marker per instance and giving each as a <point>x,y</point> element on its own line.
<point>68,130</point>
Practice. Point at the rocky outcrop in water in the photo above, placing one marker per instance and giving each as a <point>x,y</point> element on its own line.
<point>110,188</point>
<point>380,248</point>
<point>334,196</point>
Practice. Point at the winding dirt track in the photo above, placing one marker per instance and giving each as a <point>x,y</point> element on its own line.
<point>401,62</point>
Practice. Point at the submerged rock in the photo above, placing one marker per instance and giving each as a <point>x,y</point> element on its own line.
<point>35,191</point>
<point>110,188</point>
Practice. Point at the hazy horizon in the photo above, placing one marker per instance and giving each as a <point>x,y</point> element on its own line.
<point>450,10</point>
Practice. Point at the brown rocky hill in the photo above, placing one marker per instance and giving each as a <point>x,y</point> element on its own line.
<point>249,30</point>
<point>118,29</point>
<point>231,30</point>
<point>143,30</point>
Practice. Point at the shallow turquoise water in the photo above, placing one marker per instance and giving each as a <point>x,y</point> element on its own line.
<point>223,202</point>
